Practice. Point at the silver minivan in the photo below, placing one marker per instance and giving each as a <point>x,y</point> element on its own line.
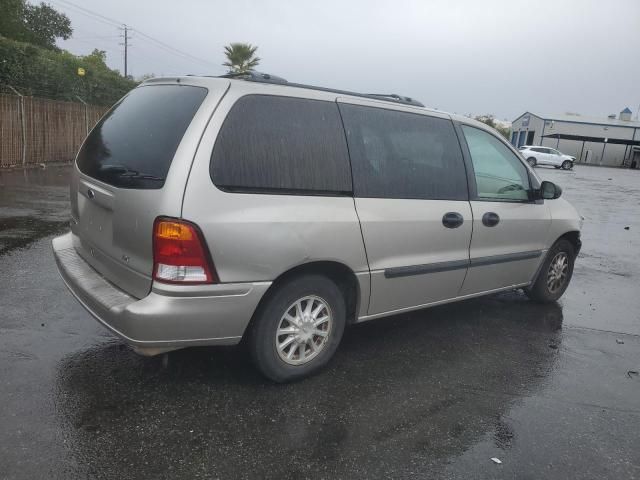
<point>206,211</point>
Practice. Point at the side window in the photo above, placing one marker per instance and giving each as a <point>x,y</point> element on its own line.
<point>403,155</point>
<point>282,144</point>
<point>498,171</point>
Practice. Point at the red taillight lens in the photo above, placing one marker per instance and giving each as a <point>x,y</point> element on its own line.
<point>180,254</point>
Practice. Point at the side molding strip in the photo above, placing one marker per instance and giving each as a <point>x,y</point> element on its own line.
<point>426,268</point>
<point>396,272</point>
<point>509,257</point>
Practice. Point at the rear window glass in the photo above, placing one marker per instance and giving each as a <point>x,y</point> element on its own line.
<point>134,143</point>
<point>276,144</point>
<point>403,155</point>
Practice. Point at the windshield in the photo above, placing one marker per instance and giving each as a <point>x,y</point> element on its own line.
<point>134,143</point>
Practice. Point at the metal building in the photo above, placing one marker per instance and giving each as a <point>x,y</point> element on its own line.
<point>612,141</point>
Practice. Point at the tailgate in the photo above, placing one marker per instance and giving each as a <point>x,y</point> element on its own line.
<point>132,168</point>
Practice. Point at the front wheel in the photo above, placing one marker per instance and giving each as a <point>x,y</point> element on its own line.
<point>532,161</point>
<point>298,328</point>
<point>567,165</point>
<point>555,273</point>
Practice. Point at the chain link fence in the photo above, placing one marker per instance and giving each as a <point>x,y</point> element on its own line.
<point>37,130</point>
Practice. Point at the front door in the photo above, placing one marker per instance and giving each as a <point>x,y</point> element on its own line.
<point>555,157</point>
<point>411,197</point>
<point>530,136</point>
<point>509,230</point>
<point>542,155</point>
<point>521,140</point>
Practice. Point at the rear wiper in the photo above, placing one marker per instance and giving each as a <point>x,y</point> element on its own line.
<point>125,172</point>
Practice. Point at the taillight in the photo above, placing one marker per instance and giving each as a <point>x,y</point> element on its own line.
<point>180,254</point>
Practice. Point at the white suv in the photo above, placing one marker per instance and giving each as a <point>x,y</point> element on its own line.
<point>547,156</point>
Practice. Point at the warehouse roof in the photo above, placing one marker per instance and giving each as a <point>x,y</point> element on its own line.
<point>576,118</point>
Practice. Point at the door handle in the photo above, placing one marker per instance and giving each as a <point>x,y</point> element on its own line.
<point>452,220</point>
<point>490,219</point>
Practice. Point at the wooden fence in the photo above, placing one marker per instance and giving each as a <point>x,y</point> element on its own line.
<point>38,130</point>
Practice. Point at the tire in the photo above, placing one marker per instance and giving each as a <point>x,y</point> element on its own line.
<point>544,289</point>
<point>263,341</point>
<point>567,165</point>
<point>532,161</point>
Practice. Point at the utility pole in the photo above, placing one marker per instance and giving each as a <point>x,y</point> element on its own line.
<point>125,29</point>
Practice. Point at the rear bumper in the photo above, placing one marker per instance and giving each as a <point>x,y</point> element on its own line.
<point>170,317</point>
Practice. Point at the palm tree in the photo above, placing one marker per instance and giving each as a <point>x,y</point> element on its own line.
<point>241,57</point>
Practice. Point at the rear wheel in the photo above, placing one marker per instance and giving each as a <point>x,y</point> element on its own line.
<point>532,161</point>
<point>555,273</point>
<point>298,329</point>
<point>567,165</point>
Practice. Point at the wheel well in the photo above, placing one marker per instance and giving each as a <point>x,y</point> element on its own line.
<point>339,273</point>
<point>574,239</point>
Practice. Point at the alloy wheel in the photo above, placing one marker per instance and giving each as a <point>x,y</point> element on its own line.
<point>303,330</point>
<point>558,272</point>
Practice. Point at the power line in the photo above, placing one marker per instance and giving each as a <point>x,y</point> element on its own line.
<point>113,22</point>
<point>91,13</point>
<point>167,48</point>
<point>97,37</point>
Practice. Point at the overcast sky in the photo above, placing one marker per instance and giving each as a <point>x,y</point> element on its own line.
<point>465,56</point>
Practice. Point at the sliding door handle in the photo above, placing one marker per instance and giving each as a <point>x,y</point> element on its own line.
<point>452,220</point>
<point>490,219</point>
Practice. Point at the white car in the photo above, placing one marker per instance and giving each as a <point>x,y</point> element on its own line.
<point>547,156</point>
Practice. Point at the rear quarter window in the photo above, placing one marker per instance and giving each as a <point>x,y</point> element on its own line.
<point>275,144</point>
<point>133,145</point>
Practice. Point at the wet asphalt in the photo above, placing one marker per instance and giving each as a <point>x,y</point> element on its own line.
<point>547,389</point>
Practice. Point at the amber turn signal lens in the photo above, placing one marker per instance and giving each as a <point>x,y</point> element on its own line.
<point>173,231</point>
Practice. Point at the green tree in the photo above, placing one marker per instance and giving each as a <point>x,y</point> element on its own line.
<point>39,25</point>
<point>241,57</point>
<point>491,121</point>
<point>45,24</point>
<point>11,19</point>
<point>54,73</point>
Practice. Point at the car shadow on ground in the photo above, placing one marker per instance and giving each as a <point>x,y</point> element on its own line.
<point>402,392</point>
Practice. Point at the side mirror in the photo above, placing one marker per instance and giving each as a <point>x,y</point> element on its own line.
<point>550,191</point>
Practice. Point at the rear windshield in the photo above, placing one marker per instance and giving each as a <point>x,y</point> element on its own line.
<point>134,143</point>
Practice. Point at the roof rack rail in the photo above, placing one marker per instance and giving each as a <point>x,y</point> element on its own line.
<point>396,97</point>
<point>253,76</point>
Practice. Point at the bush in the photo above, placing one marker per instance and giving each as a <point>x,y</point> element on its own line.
<point>53,74</point>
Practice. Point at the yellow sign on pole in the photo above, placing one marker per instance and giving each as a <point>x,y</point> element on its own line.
<point>81,71</point>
